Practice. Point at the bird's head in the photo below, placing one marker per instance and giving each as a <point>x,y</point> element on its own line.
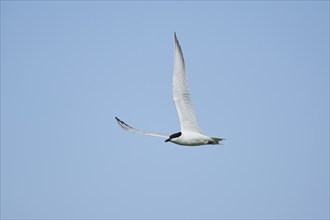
<point>176,135</point>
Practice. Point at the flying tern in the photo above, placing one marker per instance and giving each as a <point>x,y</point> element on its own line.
<point>190,134</point>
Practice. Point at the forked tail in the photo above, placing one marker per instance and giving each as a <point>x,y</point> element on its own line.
<point>217,140</point>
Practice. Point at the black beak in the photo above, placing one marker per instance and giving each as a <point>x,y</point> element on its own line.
<point>167,140</point>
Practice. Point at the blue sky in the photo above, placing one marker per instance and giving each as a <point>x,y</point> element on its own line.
<point>258,75</point>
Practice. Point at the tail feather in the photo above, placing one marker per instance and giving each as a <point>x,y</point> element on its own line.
<point>217,140</point>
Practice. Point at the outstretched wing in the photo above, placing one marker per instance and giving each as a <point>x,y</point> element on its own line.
<point>135,131</point>
<point>181,94</point>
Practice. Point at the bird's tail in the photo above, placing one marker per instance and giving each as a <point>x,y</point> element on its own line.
<point>217,140</point>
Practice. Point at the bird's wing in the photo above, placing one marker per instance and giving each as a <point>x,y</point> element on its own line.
<point>181,96</point>
<point>135,131</point>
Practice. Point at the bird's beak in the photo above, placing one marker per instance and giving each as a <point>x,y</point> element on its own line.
<point>167,140</point>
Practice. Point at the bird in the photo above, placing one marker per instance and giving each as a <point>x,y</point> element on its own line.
<point>190,134</point>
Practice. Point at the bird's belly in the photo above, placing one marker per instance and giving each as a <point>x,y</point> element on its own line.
<point>192,140</point>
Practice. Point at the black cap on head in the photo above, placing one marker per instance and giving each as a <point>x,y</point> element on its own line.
<point>173,136</point>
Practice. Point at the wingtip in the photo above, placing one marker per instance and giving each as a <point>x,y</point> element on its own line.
<point>121,123</point>
<point>118,120</point>
<point>176,41</point>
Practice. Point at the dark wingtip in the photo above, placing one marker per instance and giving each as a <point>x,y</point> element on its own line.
<point>120,122</point>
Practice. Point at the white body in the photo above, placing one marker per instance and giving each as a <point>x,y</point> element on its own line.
<point>191,134</point>
<point>193,139</point>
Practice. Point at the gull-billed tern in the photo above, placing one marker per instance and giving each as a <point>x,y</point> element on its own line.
<point>190,134</point>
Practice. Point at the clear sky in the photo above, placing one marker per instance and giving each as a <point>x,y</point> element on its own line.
<point>258,75</point>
